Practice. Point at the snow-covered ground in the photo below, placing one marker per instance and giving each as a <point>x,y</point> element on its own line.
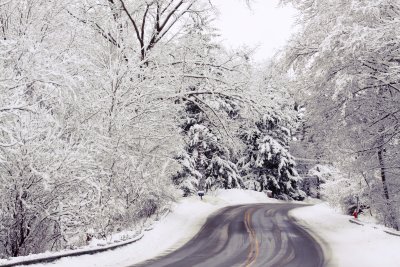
<point>350,245</point>
<point>179,226</point>
<point>347,244</point>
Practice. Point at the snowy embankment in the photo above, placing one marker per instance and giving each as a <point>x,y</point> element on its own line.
<point>178,227</point>
<point>350,244</point>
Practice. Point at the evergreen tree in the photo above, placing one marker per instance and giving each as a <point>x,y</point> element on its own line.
<point>205,162</point>
<point>266,163</point>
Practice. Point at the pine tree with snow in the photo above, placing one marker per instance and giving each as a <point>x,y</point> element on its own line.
<point>205,162</point>
<point>266,163</point>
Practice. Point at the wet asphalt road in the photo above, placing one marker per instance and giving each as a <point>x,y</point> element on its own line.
<point>247,235</point>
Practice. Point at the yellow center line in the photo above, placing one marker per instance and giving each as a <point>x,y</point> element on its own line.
<point>254,245</point>
<point>247,224</point>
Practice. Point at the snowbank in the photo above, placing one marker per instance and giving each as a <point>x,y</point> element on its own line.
<point>179,226</point>
<point>350,244</point>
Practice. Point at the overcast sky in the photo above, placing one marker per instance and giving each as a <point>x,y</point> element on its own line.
<point>267,25</point>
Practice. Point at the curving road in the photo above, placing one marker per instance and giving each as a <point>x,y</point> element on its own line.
<point>247,235</point>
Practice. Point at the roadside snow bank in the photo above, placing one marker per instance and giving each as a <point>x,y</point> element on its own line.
<point>171,232</point>
<point>350,244</point>
<point>224,198</point>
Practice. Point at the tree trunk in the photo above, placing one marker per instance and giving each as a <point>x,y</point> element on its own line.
<point>393,221</point>
<point>383,174</point>
<point>369,192</point>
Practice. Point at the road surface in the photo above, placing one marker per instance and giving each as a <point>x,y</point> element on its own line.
<point>247,235</point>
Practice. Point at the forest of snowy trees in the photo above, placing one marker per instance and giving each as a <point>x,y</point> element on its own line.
<point>344,67</point>
<point>109,107</point>
<point>112,109</point>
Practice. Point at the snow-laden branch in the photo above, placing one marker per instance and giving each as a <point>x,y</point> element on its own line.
<point>5,3</point>
<point>8,145</point>
<point>395,86</point>
<point>21,108</point>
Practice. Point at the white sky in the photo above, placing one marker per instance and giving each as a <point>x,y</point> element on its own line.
<point>266,25</point>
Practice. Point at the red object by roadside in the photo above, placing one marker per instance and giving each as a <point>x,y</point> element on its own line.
<point>355,214</point>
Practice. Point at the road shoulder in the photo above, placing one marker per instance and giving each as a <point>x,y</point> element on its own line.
<point>349,244</point>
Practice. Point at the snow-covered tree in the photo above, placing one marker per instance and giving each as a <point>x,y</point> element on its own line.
<point>345,65</point>
<point>266,163</point>
<point>80,142</point>
<point>209,95</point>
<point>206,162</point>
<point>44,165</point>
